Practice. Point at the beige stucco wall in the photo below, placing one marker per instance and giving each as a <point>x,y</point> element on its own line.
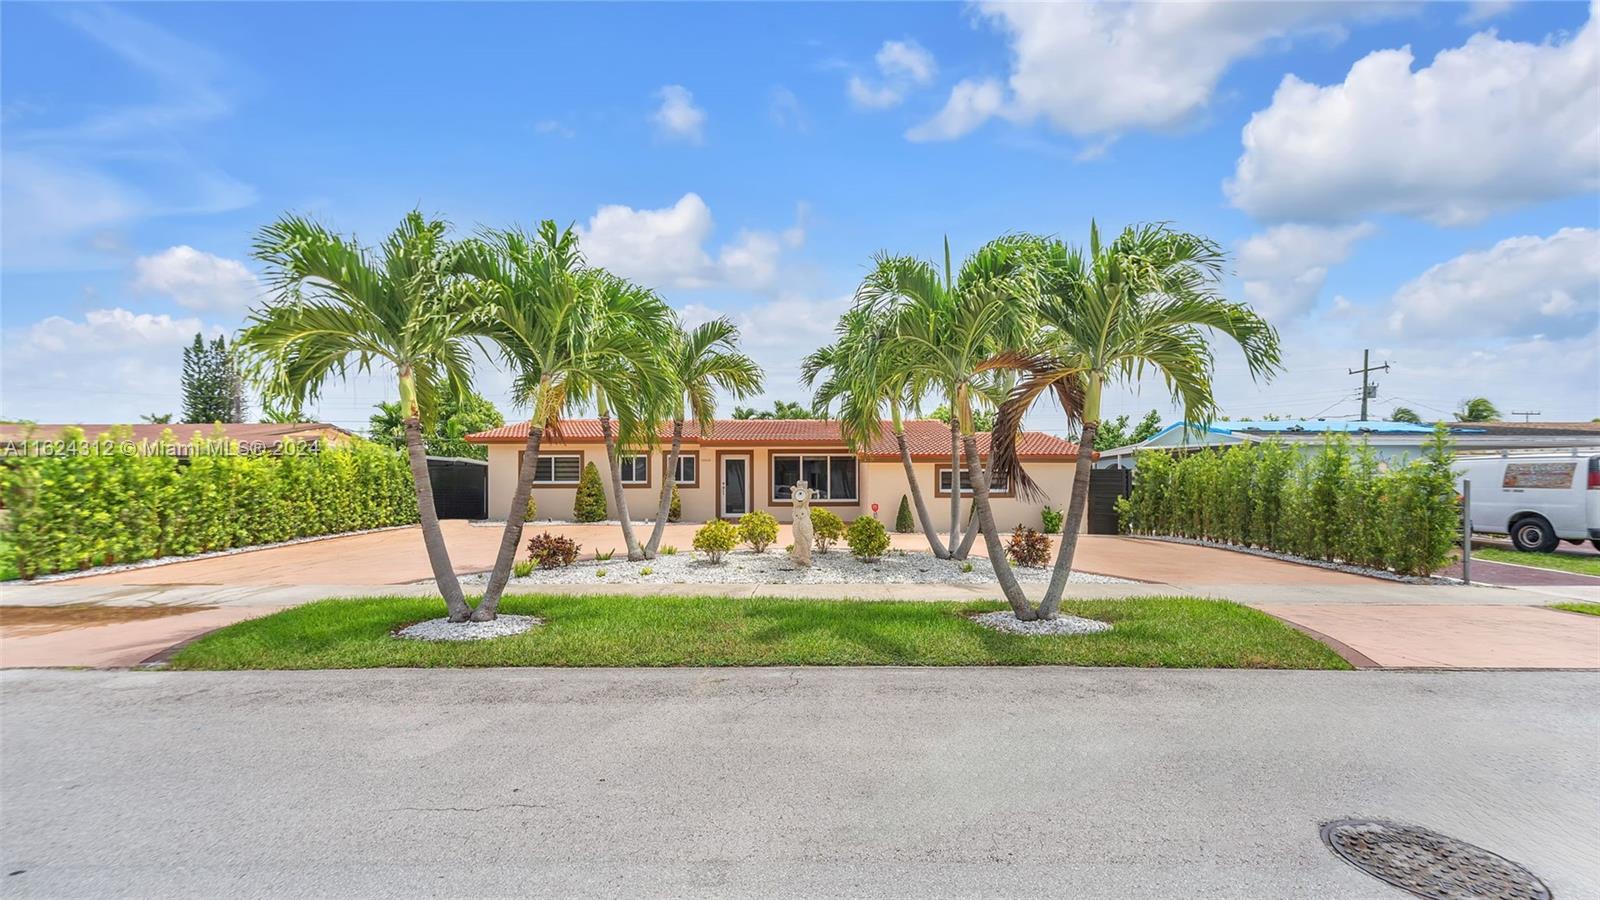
<point>882,483</point>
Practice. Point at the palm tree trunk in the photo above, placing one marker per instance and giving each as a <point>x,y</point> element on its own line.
<point>668,482</point>
<point>991,536</point>
<point>1069,529</point>
<point>916,498</point>
<point>444,575</point>
<point>512,535</point>
<point>965,550</point>
<point>628,538</point>
<point>955,477</point>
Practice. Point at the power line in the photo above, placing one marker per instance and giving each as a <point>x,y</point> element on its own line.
<point>1368,389</point>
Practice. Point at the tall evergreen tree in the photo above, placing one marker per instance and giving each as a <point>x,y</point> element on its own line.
<point>213,387</point>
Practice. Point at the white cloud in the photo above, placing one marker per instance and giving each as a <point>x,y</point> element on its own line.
<point>678,118</point>
<point>1488,126</point>
<point>1479,11</point>
<point>786,110</point>
<point>902,65</point>
<point>1522,286</point>
<point>554,127</point>
<point>778,334</point>
<point>1097,68</point>
<point>1283,268</point>
<point>197,280</point>
<point>971,103</point>
<point>667,247</point>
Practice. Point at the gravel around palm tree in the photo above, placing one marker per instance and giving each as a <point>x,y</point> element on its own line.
<point>337,306</point>
<point>1145,302</point>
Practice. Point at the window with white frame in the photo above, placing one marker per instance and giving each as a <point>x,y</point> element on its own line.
<point>688,469</point>
<point>635,469</point>
<point>555,468</point>
<point>832,477</point>
<point>997,482</point>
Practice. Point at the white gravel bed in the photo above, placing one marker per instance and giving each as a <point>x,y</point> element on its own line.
<point>1290,557</point>
<point>443,629</point>
<point>1007,621</point>
<point>168,560</point>
<point>774,567</point>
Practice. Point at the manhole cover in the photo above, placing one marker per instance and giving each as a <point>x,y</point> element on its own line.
<point>1429,864</point>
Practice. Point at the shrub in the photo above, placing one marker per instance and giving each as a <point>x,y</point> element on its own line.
<point>604,557</point>
<point>522,568</point>
<point>758,529</point>
<point>1051,519</point>
<point>867,538</point>
<point>966,568</point>
<point>646,570</point>
<point>107,503</point>
<point>675,510</point>
<point>1028,547</point>
<point>903,523</point>
<point>531,511</point>
<point>826,529</point>
<point>599,573</point>
<point>1333,503</point>
<point>715,538</point>
<point>668,550</point>
<point>590,503</point>
<point>552,551</point>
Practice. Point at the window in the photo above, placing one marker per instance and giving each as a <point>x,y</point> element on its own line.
<point>832,477</point>
<point>997,484</point>
<point>635,469</point>
<point>688,469</point>
<point>555,468</point>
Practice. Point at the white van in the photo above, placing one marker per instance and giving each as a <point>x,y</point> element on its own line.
<point>1540,499</point>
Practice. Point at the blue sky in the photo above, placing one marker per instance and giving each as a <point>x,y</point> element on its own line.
<point>749,159</point>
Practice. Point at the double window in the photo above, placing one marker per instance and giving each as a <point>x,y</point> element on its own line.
<point>832,477</point>
<point>555,468</point>
<point>688,469</point>
<point>997,483</point>
<point>635,469</point>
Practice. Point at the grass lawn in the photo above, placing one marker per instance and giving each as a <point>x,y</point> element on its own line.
<point>1180,632</point>
<point>1566,562</point>
<point>1588,609</point>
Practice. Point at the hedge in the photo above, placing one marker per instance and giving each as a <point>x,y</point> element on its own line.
<point>1338,503</point>
<point>108,502</point>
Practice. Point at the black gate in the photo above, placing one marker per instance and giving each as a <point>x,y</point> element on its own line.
<point>1105,486</point>
<point>460,487</point>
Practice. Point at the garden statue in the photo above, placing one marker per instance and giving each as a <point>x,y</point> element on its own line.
<point>800,495</point>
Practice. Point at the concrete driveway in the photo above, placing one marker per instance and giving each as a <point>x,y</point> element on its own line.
<point>779,782</point>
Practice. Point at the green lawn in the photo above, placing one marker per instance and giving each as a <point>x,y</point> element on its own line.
<point>1566,562</point>
<point>1179,632</point>
<point>1588,609</point>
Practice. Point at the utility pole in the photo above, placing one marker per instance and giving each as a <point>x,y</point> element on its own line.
<point>1527,416</point>
<point>1368,390</point>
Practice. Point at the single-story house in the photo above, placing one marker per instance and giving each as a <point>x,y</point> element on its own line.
<point>1392,441</point>
<point>251,437</point>
<point>742,465</point>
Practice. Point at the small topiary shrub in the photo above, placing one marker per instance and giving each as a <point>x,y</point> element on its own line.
<point>903,523</point>
<point>1052,520</point>
<point>646,570</point>
<point>675,510</point>
<point>552,551</point>
<point>1028,547</point>
<point>522,568</point>
<point>966,568</point>
<point>715,538</point>
<point>531,511</point>
<point>826,529</point>
<point>867,538</point>
<point>758,529</point>
<point>590,503</point>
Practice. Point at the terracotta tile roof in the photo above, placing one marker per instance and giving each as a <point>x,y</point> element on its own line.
<point>927,439</point>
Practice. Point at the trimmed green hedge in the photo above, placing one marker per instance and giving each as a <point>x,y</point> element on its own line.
<point>1337,503</point>
<point>107,504</point>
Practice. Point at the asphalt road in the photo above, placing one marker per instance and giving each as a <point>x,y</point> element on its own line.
<point>778,782</point>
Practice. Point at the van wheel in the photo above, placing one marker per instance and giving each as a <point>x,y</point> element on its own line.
<point>1596,543</point>
<point>1534,535</point>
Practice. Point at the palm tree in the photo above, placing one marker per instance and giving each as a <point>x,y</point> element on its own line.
<point>338,305</point>
<point>866,378</point>
<point>943,329</point>
<point>626,375</point>
<point>1143,302</point>
<point>1477,409</point>
<point>698,362</point>
<point>1405,414</point>
<point>560,327</point>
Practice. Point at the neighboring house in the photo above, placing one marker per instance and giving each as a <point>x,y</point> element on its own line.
<point>251,437</point>
<point>750,464</point>
<point>1392,441</point>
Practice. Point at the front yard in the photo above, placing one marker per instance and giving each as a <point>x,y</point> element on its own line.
<point>1178,632</point>
<point>1576,563</point>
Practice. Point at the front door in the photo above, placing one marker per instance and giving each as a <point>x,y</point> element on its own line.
<point>735,486</point>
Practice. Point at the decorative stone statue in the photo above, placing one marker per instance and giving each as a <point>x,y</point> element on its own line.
<point>800,495</point>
